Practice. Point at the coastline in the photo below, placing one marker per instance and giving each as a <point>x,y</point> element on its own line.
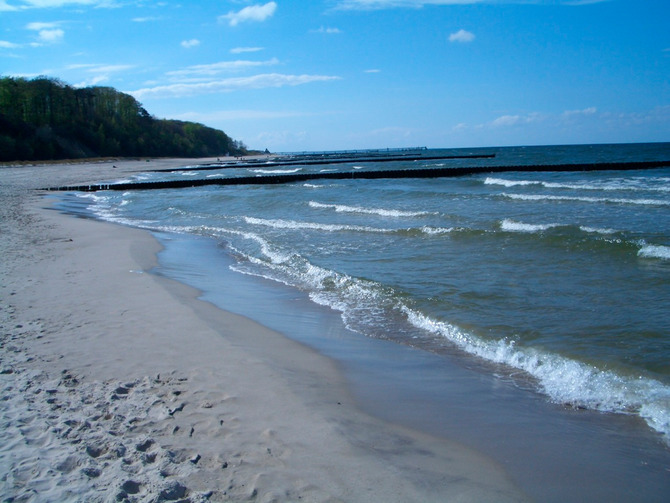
<point>121,383</point>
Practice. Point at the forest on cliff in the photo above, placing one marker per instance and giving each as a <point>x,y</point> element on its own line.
<point>44,118</point>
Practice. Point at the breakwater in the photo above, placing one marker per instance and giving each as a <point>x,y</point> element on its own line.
<point>362,175</point>
<point>314,160</point>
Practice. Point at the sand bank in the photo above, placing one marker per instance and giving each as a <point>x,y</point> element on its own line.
<point>120,385</point>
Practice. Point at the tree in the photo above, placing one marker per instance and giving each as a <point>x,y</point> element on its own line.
<point>45,118</point>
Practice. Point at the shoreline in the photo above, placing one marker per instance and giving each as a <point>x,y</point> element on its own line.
<point>119,383</point>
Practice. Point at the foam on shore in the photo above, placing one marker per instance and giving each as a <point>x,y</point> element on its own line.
<point>120,385</point>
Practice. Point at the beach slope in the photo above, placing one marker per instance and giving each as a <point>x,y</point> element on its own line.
<point>120,385</point>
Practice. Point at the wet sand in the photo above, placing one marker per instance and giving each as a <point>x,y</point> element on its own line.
<point>118,384</point>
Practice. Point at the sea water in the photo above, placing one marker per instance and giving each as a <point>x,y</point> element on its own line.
<point>557,282</point>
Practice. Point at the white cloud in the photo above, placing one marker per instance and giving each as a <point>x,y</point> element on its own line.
<point>5,7</point>
<point>580,113</point>
<point>146,19</point>
<point>251,13</point>
<point>100,68</point>
<point>217,68</point>
<point>514,120</point>
<point>41,26</point>
<point>51,36</point>
<point>189,44</point>
<point>327,31</point>
<point>261,81</point>
<point>93,81</point>
<point>462,36</point>
<point>240,50</point>
<point>8,45</point>
<point>47,33</point>
<point>506,120</point>
<point>372,70</point>
<point>99,72</point>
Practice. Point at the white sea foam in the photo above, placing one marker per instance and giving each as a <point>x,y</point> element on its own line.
<point>597,230</point>
<point>565,380</point>
<point>294,225</point>
<point>585,199</point>
<point>509,183</point>
<point>436,230</point>
<point>618,184</point>
<point>512,226</point>
<point>655,251</point>
<point>275,171</point>
<point>363,303</point>
<point>340,208</point>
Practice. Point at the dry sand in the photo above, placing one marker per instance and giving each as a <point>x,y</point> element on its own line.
<point>120,385</point>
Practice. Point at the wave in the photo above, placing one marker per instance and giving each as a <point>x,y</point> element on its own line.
<point>512,226</point>
<point>597,230</point>
<point>565,380</point>
<point>585,199</point>
<point>632,184</point>
<point>275,171</point>
<point>294,225</point>
<point>367,306</point>
<point>654,251</point>
<point>340,208</point>
<point>509,183</point>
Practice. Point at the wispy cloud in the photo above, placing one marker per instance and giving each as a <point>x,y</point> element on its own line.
<point>95,67</point>
<point>579,113</point>
<point>189,44</point>
<point>8,45</point>
<point>51,36</point>
<point>42,26</point>
<point>519,120</point>
<point>462,36</point>
<point>213,69</point>
<point>327,30</point>
<point>241,50</point>
<point>5,7</point>
<point>515,120</point>
<point>47,33</point>
<point>256,13</point>
<point>267,80</point>
<point>99,73</point>
<point>147,19</point>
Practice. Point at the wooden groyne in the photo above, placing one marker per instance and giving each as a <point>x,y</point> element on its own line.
<point>321,159</point>
<point>363,175</point>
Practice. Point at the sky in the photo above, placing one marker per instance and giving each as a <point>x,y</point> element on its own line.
<point>312,75</point>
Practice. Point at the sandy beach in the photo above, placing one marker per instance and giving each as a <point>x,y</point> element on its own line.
<point>120,385</point>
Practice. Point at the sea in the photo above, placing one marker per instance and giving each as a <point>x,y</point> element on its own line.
<point>546,292</point>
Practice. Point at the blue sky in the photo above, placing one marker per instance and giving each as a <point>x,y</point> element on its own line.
<point>345,74</point>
